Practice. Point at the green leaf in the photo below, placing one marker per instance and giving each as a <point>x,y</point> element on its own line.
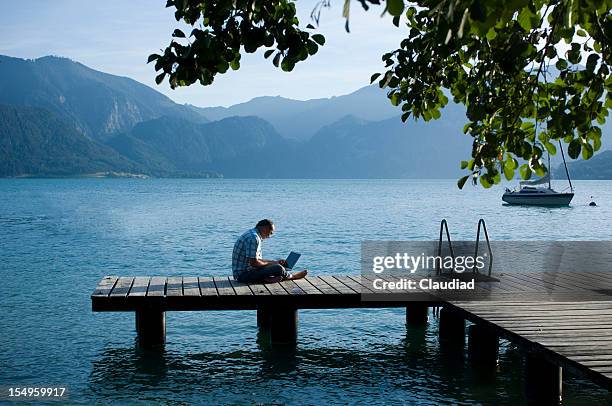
<point>374,77</point>
<point>312,47</point>
<point>153,57</point>
<point>485,182</point>
<point>319,39</point>
<point>561,64</point>
<point>524,19</point>
<point>525,171</point>
<point>587,151</point>
<point>464,164</point>
<point>287,64</point>
<point>596,143</point>
<point>573,150</point>
<point>159,78</point>
<point>510,164</point>
<point>395,7</point>
<point>592,62</point>
<point>268,53</point>
<point>462,181</point>
<point>395,99</point>
<point>276,59</point>
<point>508,173</point>
<point>178,34</point>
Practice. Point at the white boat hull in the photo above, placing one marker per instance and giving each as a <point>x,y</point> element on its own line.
<point>548,199</point>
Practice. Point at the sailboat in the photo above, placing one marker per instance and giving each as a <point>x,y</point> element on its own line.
<point>530,195</point>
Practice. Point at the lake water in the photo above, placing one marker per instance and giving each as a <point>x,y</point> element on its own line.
<point>58,237</point>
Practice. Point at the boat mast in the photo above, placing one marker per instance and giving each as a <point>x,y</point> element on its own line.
<point>549,171</point>
<point>565,165</point>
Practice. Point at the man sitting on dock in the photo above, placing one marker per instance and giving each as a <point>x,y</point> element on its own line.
<point>247,264</point>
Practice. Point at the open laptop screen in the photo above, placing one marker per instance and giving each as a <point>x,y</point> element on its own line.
<point>292,259</point>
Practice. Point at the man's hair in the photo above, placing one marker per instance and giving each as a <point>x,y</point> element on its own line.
<point>265,223</point>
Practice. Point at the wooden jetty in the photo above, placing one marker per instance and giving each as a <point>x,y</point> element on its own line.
<point>561,320</point>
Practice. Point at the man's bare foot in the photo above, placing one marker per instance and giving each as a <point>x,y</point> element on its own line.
<point>273,279</point>
<point>298,275</point>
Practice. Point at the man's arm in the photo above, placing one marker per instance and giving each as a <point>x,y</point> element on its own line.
<point>260,263</point>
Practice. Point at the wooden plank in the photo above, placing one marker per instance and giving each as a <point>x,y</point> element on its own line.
<point>521,285</point>
<point>527,285</point>
<point>510,319</point>
<point>562,327</point>
<point>368,281</point>
<point>352,284</point>
<point>307,287</point>
<point>339,286</point>
<point>563,342</point>
<point>571,351</point>
<point>207,287</point>
<point>105,286</point>
<point>224,287</point>
<point>140,286</point>
<point>550,324</point>
<point>321,285</point>
<point>364,286</point>
<point>592,357</point>
<point>551,313</point>
<point>513,307</point>
<point>555,281</point>
<point>241,289</point>
<point>191,286</point>
<point>122,287</point>
<point>292,288</point>
<point>583,334</point>
<point>175,286</point>
<point>276,289</point>
<point>259,289</point>
<point>517,285</point>
<point>157,286</point>
<point>590,279</point>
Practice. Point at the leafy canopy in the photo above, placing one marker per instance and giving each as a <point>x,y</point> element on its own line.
<point>492,56</point>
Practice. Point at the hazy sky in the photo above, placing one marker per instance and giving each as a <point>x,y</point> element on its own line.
<point>117,36</point>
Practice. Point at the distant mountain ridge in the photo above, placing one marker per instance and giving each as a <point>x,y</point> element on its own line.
<point>249,147</point>
<point>97,104</point>
<point>37,142</point>
<point>300,120</point>
<point>236,146</point>
<point>598,167</point>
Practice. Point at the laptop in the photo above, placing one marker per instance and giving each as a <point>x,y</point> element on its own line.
<point>292,259</point>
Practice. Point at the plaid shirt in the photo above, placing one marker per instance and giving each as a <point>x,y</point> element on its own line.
<point>248,246</point>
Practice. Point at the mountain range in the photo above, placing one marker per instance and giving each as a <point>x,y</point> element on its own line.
<point>95,103</point>
<point>61,118</point>
<point>301,119</point>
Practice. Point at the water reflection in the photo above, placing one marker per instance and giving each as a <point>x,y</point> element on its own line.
<point>412,369</point>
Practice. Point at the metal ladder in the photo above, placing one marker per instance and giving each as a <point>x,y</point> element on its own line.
<point>444,227</point>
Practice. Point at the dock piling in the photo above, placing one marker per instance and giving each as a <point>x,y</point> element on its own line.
<point>451,328</point>
<point>151,327</point>
<point>483,345</point>
<point>417,314</point>
<point>281,324</point>
<point>543,381</point>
